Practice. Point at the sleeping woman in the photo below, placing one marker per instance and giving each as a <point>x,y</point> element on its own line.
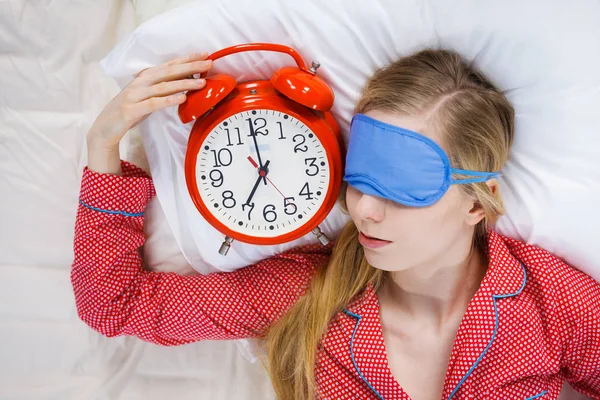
<point>418,298</point>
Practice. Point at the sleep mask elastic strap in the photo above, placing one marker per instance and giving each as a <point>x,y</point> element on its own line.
<point>483,176</point>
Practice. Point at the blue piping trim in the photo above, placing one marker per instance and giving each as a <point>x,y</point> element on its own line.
<point>111,211</point>
<point>537,395</point>
<point>495,297</point>
<point>358,318</point>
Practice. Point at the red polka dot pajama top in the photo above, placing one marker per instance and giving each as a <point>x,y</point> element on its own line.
<point>533,323</point>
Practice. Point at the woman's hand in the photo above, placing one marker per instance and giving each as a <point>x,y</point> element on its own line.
<point>152,89</point>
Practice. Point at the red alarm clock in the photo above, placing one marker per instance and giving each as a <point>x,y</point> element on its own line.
<point>264,161</point>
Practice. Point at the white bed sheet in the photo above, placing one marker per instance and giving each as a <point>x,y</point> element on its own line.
<point>51,89</point>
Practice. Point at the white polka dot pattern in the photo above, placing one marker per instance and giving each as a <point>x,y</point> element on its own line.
<point>527,329</point>
<point>115,296</point>
<point>533,323</point>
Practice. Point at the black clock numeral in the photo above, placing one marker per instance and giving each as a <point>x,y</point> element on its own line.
<point>287,202</point>
<point>311,162</point>
<point>269,215</point>
<point>281,131</point>
<point>306,192</point>
<point>218,178</point>
<point>229,137</point>
<point>255,129</point>
<point>300,146</point>
<point>251,205</point>
<point>228,195</point>
<point>223,158</point>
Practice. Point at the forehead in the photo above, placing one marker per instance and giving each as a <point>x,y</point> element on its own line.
<point>413,123</point>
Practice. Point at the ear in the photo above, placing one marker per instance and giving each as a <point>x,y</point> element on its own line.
<point>493,185</point>
<point>477,213</point>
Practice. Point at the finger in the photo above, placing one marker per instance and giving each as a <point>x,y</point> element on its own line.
<point>152,104</point>
<point>187,58</point>
<point>178,71</point>
<point>163,89</point>
<point>179,60</point>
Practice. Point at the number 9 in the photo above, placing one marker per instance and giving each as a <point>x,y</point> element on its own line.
<point>219,177</point>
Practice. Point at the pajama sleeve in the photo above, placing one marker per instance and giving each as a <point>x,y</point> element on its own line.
<point>115,296</point>
<point>581,357</point>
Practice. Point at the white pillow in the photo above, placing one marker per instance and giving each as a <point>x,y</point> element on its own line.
<point>545,55</point>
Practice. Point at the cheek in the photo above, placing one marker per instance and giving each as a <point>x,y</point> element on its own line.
<point>412,225</point>
<point>420,226</point>
<point>351,200</point>
<point>443,221</point>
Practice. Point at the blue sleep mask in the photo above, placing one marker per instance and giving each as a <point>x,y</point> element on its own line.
<point>399,164</point>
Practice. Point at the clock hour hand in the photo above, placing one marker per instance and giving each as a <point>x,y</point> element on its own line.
<point>261,175</point>
<point>247,203</point>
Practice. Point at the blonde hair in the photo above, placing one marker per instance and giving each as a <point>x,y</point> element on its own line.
<point>476,122</point>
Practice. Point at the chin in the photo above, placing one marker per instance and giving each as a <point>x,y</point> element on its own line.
<point>378,261</point>
<point>384,263</point>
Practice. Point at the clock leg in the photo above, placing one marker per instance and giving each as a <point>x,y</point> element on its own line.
<point>225,246</point>
<point>321,236</point>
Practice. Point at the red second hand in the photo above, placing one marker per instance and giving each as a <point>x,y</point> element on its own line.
<point>262,173</point>
<point>253,162</point>
<point>276,188</point>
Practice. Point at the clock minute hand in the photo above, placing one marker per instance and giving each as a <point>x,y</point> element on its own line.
<point>253,134</point>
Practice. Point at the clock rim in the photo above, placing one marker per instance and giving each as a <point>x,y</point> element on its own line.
<point>322,124</point>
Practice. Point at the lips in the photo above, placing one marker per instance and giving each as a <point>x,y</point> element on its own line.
<point>374,237</point>
<point>370,242</point>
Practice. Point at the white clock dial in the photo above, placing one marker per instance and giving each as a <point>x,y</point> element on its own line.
<point>293,158</point>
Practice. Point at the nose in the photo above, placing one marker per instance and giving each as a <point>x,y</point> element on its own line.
<point>371,207</point>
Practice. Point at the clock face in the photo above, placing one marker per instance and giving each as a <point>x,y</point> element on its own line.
<point>262,173</point>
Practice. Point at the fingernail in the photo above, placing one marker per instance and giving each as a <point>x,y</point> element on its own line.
<point>199,82</point>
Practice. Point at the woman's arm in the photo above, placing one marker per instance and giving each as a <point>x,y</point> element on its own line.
<point>154,88</point>
<point>115,295</point>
